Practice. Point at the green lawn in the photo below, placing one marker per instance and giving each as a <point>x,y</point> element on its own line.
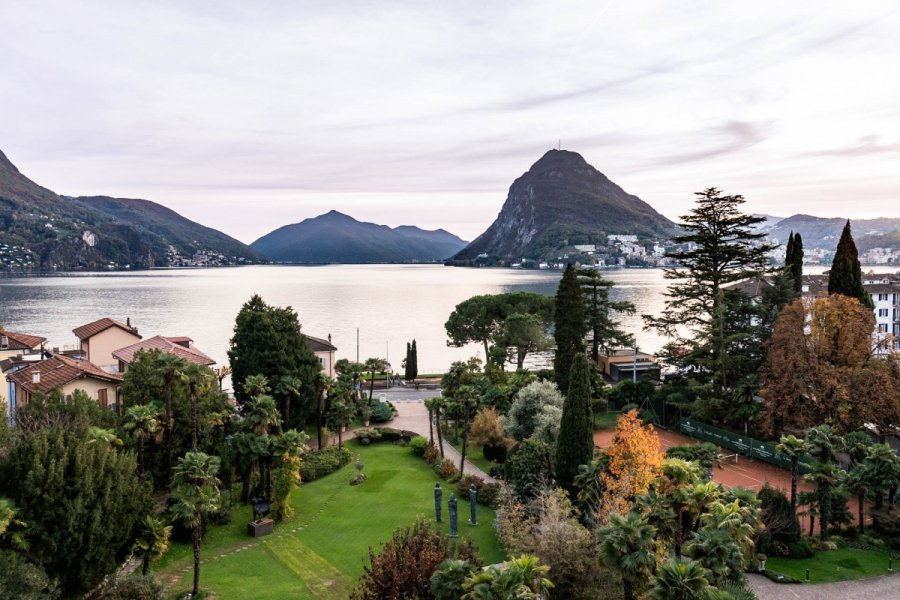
<point>320,551</point>
<point>833,565</point>
<point>605,421</point>
<point>475,455</point>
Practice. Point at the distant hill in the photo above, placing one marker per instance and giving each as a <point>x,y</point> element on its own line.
<point>43,231</point>
<point>820,232</point>
<point>562,201</point>
<point>338,238</point>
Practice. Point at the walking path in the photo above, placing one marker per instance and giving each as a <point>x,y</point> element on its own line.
<point>876,588</point>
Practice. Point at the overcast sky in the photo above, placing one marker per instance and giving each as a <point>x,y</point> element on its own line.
<point>246,118</point>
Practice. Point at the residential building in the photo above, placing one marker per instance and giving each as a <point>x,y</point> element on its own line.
<point>102,337</point>
<point>324,351</point>
<point>62,372</point>
<point>15,344</point>
<point>623,363</point>
<point>180,346</point>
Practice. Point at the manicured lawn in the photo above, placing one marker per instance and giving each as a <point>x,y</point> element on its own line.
<point>605,421</point>
<point>320,551</point>
<point>833,565</point>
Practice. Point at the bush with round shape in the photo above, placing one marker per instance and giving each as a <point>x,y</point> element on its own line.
<point>418,445</point>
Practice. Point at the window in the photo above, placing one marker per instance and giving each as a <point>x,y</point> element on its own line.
<point>882,328</point>
<point>882,297</point>
<point>882,312</point>
<point>101,398</point>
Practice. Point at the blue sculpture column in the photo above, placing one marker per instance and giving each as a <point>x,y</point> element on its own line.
<point>473,497</point>
<point>437,501</point>
<point>454,526</point>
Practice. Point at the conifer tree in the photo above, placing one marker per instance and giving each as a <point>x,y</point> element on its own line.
<point>576,441</point>
<point>797,265</point>
<point>789,253</point>
<point>407,363</point>
<point>414,354</point>
<point>571,325</point>
<point>720,247</point>
<point>606,332</point>
<point>845,277</point>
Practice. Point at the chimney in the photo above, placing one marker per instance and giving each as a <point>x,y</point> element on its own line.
<point>4,342</point>
<point>128,321</point>
<point>36,377</point>
<point>329,338</point>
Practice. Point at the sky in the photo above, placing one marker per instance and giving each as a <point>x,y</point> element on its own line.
<point>246,116</point>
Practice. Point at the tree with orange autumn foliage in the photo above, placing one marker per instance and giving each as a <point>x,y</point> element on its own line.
<point>819,367</point>
<point>633,461</point>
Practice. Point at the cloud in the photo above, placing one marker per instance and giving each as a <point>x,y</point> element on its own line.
<point>865,146</point>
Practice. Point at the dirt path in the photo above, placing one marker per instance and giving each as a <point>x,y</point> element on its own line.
<point>876,588</point>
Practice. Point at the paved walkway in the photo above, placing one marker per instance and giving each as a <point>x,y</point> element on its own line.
<point>876,588</point>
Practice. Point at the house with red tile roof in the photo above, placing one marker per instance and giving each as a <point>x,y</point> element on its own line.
<point>100,338</point>
<point>67,374</point>
<point>324,351</point>
<point>180,346</point>
<point>14,344</point>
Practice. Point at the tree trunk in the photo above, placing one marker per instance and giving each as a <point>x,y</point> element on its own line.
<point>824,509</point>
<point>520,359</point>
<point>196,540</point>
<point>168,397</point>
<point>892,495</point>
<point>140,456</point>
<point>431,426</point>
<point>795,473</point>
<point>194,425</point>
<point>861,499</point>
<point>145,564</point>
<point>372,386</point>
<point>465,439</point>
<point>287,411</point>
<point>246,477</point>
<point>628,590</point>
<point>437,423</point>
<point>340,436</point>
<point>487,354</point>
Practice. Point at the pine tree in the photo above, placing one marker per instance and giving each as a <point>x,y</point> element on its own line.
<point>720,247</point>
<point>606,332</point>
<point>797,265</point>
<point>576,440</point>
<point>571,326</point>
<point>845,277</point>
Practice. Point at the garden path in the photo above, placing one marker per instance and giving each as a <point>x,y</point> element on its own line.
<point>876,588</point>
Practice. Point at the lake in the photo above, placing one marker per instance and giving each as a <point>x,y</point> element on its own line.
<point>390,304</point>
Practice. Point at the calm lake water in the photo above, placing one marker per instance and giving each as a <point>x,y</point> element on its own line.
<point>390,304</point>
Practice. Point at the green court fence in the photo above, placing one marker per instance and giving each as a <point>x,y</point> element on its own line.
<point>742,444</point>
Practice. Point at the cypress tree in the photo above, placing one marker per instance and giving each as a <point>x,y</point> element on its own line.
<point>845,277</point>
<point>576,440</point>
<point>407,363</point>
<point>789,253</point>
<point>414,354</point>
<point>797,264</point>
<point>570,325</point>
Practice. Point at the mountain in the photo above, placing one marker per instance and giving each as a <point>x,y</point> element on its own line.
<point>337,238</point>
<point>820,232</point>
<point>562,201</point>
<point>44,231</point>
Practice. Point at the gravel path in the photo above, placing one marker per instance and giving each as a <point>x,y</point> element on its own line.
<point>876,588</point>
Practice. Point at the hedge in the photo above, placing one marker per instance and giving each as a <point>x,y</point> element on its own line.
<point>319,463</point>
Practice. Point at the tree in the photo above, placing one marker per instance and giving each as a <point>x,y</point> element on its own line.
<point>268,341</point>
<point>447,581</point>
<point>626,544</point>
<point>826,476</point>
<point>414,367</point>
<point>466,398</point>
<point>633,462</point>
<point>793,448</point>
<point>486,429</point>
<point>434,406</point>
<point>720,247</point>
<point>171,369</point>
<point>142,422</point>
<point>570,326</point>
<point>289,388</point>
<point>521,420</point>
<point>858,482</point>
<point>152,541</point>
<point>816,351</point>
<point>373,366</point>
<point>845,276</point>
<point>796,264</point>
<point>522,334</point>
<point>680,580</point>
<point>404,567</point>
<point>576,432</point>
<point>521,578</point>
<point>718,553</point>
<point>606,333</point>
<point>527,469</point>
<point>63,483</point>
<point>196,493</point>
<point>200,380</point>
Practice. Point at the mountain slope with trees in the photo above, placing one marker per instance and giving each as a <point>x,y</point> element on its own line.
<point>559,202</point>
<point>338,238</point>
<point>821,232</point>
<point>45,231</point>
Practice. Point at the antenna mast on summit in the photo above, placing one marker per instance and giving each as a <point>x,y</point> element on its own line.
<point>559,144</point>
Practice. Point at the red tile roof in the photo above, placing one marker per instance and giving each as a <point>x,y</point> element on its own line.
<point>319,345</point>
<point>172,345</point>
<point>91,329</point>
<point>21,341</point>
<point>57,371</point>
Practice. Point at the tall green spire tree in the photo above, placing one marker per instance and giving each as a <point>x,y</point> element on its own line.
<point>796,265</point>
<point>605,331</point>
<point>576,440</point>
<point>719,247</point>
<point>570,325</point>
<point>414,356</point>
<point>845,277</point>
<point>789,253</point>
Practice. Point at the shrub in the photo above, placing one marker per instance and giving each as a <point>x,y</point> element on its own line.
<point>454,478</point>
<point>704,453</point>
<point>319,463</point>
<point>489,495</point>
<point>431,454</point>
<point>800,549</point>
<point>381,412</point>
<point>407,561</point>
<point>389,434</point>
<point>486,428</point>
<point>528,468</point>
<point>463,485</point>
<point>368,435</point>
<point>134,587</point>
<point>418,445</point>
<point>445,468</point>
<point>520,421</point>
<point>285,479</point>
<point>776,513</point>
<point>496,452</point>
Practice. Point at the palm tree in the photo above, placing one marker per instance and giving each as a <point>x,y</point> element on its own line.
<point>808,499</point>
<point>738,521</point>
<point>856,444</point>
<point>99,435</point>
<point>467,398</point>
<point>200,381</point>
<point>718,553</point>
<point>857,482</point>
<point>696,499</point>
<point>679,580</point>
<point>196,493</point>
<point>339,414</point>
<point>171,368</point>
<point>885,466</point>
<point>152,540</point>
<point>289,387</point>
<point>793,448</point>
<point>822,443</point>
<point>431,405</point>
<point>826,476</point>
<point>522,578</point>
<point>142,421</point>
<point>260,416</point>
<point>447,581</point>
<point>256,385</point>
<point>375,365</point>
<point>626,544</point>
<point>437,405</point>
